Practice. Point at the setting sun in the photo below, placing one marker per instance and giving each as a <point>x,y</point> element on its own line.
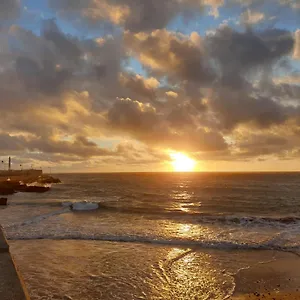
<point>182,163</point>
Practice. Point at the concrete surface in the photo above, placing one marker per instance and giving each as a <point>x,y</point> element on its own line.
<point>11,285</point>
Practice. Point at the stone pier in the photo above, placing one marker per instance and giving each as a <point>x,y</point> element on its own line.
<point>11,284</point>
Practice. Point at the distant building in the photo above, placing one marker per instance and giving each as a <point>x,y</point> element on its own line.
<point>19,174</point>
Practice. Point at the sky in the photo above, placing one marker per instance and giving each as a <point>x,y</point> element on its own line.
<point>127,85</point>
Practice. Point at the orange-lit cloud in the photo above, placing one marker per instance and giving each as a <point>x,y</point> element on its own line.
<point>297,45</point>
<point>229,95</point>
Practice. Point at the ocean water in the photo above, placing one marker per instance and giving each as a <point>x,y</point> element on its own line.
<point>154,236</point>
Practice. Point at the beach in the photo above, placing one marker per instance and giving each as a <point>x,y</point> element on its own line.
<point>106,270</point>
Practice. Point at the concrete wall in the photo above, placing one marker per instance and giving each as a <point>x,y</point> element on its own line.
<point>16,176</point>
<point>5,173</point>
<point>11,284</point>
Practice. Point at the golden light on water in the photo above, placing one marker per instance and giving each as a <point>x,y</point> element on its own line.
<point>182,163</point>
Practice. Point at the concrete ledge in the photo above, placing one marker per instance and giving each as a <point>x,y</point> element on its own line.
<point>4,247</point>
<point>11,283</point>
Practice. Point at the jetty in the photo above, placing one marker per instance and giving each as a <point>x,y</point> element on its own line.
<point>27,181</point>
<point>12,286</point>
<point>27,175</point>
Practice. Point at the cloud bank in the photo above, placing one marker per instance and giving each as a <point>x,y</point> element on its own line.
<point>132,88</point>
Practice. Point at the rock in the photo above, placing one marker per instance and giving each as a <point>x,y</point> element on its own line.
<point>3,201</point>
<point>5,191</point>
<point>8,188</point>
<point>33,189</point>
<point>44,179</point>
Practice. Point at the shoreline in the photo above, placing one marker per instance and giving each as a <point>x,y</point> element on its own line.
<point>275,277</point>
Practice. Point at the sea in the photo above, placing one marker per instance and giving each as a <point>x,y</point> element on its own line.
<point>154,235</point>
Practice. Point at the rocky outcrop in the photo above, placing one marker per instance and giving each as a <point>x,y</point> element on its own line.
<point>32,189</point>
<point>47,179</point>
<point>35,185</point>
<point>8,188</point>
<point>3,201</point>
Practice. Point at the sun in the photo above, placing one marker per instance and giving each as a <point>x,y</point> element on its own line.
<point>182,163</point>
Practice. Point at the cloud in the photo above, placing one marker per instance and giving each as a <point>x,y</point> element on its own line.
<point>218,96</point>
<point>9,143</point>
<point>172,94</point>
<point>297,45</point>
<point>9,9</point>
<point>243,51</point>
<point>176,130</point>
<point>252,17</point>
<point>294,4</point>
<point>233,107</point>
<point>138,86</point>
<point>80,146</point>
<point>135,16</point>
<point>170,53</point>
<point>67,47</point>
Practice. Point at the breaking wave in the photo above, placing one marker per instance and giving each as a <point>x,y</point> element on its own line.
<point>272,244</point>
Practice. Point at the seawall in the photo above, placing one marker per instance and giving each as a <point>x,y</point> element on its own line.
<point>12,286</point>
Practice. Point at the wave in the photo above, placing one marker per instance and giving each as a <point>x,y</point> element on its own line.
<point>178,215</point>
<point>206,244</point>
<point>250,220</point>
<point>200,218</point>
<point>39,218</point>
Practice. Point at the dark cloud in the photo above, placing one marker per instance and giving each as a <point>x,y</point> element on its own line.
<point>297,45</point>
<point>132,15</point>
<point>171,54</point>
<point>236,107</point>
<point>10,143</point>
<point>80,146</point>
<point>142,122</point>
<point>239,52</point>
<point>9,9</point>
<point>146,15</point>
<point>46,78</point>
<point>137,86</point>
<point>261,144</point>
<point>67,47</point>
<point>61,94</point>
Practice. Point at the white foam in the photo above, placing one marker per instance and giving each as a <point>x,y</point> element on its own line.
<point>84,206</point>
<point>38,219</point>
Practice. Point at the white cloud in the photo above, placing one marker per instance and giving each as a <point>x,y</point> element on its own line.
<point>252,17</point>
<point>297,45</point>
<point>172,94</point>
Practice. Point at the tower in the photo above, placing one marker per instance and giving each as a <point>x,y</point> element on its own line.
<point>9,164</point>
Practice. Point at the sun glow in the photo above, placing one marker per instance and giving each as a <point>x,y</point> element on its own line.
<point>182,163</point>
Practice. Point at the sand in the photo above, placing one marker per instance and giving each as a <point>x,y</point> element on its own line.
<point>278,279</point>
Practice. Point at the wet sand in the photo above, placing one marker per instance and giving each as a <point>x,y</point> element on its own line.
<point>270,296</point>
<point>105,270</point>
<point>278,279</point>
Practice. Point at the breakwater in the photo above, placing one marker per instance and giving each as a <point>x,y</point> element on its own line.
<point>12,286</point>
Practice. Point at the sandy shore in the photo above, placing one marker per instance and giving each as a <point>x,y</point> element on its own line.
<point>278,279</point>
<point>111,270</point>
<point>270,296</point>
